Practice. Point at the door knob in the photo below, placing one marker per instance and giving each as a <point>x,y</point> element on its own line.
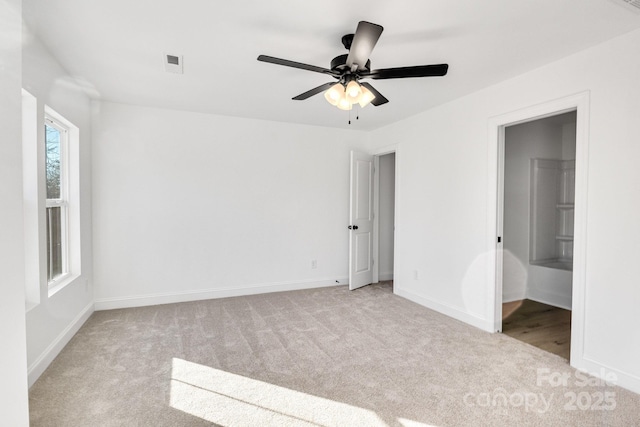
<point>353,227</point>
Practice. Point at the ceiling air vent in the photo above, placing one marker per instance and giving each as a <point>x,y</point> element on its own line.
<point>173,63</point>
<point>633,5</point>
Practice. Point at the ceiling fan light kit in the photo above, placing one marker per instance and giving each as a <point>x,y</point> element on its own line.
<point>366,97</point>
<point>353,92</point>
<point>344,104</point>
<point>351,68</point>
<point>346,97</point>
<point>334,94</point>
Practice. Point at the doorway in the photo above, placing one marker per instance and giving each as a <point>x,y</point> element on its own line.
<point>538,211</point>
<point>372,215</point>
<point>384,190</point>
<point>497,125</point>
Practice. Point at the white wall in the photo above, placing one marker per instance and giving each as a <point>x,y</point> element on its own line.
<point>443,198</point>
<point>191,205</point>
<point>386,173</point>
<point>13,362</point>
<point>52,322</point>
<point>541,139</point>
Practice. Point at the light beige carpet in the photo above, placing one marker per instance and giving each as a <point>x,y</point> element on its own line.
<point>326,357</point>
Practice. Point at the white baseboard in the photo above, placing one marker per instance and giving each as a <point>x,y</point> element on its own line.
<point>513,296</point>
<point>204,294</point>
<point>600,370</point>
<point>447,310</point>
<point>385,276</point>
<point>51,352</point>
<point>556,300</point>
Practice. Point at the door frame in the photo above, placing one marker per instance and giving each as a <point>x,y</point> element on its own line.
<point>389,149</point>
<point>580,103</point>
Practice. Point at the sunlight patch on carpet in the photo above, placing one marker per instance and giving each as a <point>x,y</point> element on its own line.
<point>410,423</point>
<point>233,400</point>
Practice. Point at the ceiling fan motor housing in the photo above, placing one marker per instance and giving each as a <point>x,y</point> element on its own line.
<point>339,63</point>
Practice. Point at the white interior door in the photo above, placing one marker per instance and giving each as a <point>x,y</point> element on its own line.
<point>361,221</point>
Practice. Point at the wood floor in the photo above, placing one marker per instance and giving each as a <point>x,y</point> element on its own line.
<point>538,324</point>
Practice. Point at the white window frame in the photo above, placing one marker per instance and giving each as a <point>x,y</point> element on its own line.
<point>62,202</point>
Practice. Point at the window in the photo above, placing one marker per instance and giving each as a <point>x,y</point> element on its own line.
<point>57,216</point>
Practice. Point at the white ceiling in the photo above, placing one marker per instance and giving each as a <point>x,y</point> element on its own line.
<point>115,48</point>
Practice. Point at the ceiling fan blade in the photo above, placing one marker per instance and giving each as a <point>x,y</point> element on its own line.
<point>405,72</point>
<point>314,91</point>
<point>379,99</point>
<point>293,64</point>
<point>364,40</point>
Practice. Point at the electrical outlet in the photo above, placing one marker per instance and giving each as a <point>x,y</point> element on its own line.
<point>314,264</point>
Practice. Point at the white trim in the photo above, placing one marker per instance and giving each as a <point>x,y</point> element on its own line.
<point>387,149</point>
<point>31,206</point>
<point>69,198</point>
<point>499,233</point>
<point>43,361</point>
<point>60,282</point>
<point>513,296</point>
<point>579,102</point>
<point>578,297</point>
<point>446,309</point>
<point>396,223</point>
<point>382,277</point>
<point>550,298</point>
<point>204,294</point>
<point>376,219</point>
<point>601,370</point>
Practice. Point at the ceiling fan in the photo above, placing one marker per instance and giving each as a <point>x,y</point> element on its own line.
<point>355,66</point>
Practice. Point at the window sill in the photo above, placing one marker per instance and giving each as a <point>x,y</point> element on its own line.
<point>60,283</point>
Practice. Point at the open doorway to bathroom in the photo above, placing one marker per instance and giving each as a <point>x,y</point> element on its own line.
<point>538,230</point>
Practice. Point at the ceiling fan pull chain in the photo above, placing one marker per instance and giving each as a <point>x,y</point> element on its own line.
<point>349,116</point>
